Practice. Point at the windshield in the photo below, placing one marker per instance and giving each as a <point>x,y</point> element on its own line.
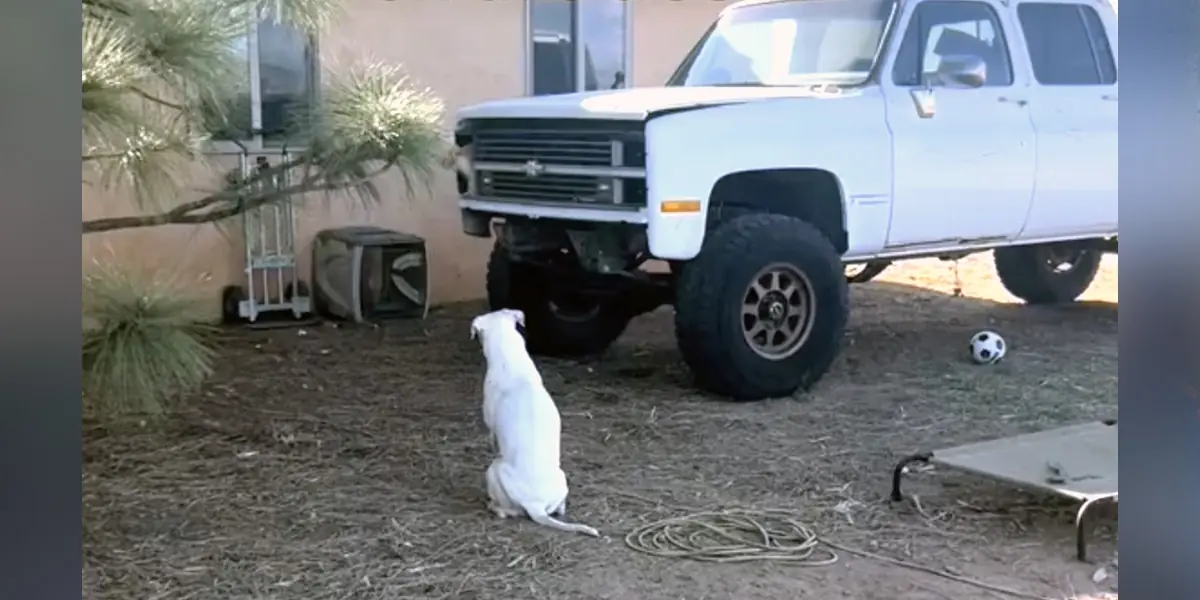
<point>792,42</point>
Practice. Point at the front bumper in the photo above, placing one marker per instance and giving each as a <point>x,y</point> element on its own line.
<point>483,207</point>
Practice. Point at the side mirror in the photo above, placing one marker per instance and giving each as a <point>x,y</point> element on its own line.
<point>962,70</point>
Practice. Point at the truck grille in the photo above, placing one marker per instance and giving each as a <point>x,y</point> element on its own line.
<point>583,189</point>
<point>558,147</point>
<point>547,187</point>
<point>576,157</point>
<point>566,142</point>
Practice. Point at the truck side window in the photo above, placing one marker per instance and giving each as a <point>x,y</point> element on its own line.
<point>1067,44</point>
<point>939,28</point>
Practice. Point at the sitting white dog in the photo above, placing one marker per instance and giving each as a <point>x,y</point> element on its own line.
<point>526,478</point>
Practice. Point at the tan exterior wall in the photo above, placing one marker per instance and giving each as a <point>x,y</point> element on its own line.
<point>663,33</point>
<point>467,51</point>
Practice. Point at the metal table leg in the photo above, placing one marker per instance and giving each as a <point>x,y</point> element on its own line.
<point>1083,525</point>
<point>898,472</point>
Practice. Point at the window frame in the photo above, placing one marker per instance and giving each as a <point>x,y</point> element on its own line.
<point>883,55</point>
<point>255,143</point>
<point>998,26</point>
<point>1094,50</point>
<point>580,49</point>
<point>1093,37</point>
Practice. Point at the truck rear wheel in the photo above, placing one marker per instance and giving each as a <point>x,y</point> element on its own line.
<point>556,323</point>
<point>866,271</point>
<point>1048,273</point>
<point>761,311</point>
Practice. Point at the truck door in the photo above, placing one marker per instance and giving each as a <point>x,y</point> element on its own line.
<point>963,149</point>
<point>1073,104</point>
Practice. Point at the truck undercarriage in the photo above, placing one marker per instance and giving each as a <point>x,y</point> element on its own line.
<point>585,265</point>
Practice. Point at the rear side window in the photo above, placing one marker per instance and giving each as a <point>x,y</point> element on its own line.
<point>1067,44</point>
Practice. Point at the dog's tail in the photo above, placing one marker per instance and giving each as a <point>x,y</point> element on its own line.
<point>541,518</point>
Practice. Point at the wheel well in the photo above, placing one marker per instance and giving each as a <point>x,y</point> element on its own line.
<point>810,194</point>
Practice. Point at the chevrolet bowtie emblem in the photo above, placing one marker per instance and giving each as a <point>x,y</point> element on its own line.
<point>533,168</point>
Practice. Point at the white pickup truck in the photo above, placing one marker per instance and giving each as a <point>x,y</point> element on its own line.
<point>796,138</point>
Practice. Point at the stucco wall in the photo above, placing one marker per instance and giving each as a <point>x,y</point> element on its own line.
<point>467,51</point>
<point>663,33</point>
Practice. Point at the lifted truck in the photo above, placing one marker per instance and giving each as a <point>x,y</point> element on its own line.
<point>796,138</point>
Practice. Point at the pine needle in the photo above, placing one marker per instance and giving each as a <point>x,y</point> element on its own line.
<point>145,343</point>
<point>376,115</point>
<point>163,77</point>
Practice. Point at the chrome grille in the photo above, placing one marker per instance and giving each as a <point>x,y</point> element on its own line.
<point>565,142</point>
<point>552,188</point>
<point>557,160</point>
<point>551,147</point>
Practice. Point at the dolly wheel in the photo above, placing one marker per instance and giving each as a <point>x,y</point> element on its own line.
<point>231,298</point>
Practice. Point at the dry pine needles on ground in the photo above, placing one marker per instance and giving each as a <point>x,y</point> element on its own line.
<point>347,463</point>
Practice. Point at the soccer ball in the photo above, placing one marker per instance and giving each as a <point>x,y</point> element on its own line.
<point>987,348</point>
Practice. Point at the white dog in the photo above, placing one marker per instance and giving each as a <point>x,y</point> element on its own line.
<point>526,479</point>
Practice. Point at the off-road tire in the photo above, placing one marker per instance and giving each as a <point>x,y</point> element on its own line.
<point>709,296</point>
<point>870,271</point>
<point>512,284</point>
<point>1025,274</point>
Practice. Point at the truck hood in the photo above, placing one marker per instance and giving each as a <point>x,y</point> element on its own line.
<point>632,104</point>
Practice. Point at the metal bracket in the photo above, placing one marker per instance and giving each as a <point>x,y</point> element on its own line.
<point>902,468</point>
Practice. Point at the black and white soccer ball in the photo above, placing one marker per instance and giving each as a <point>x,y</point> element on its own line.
<point>988,348</point>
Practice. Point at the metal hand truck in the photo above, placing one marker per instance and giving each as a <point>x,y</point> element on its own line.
<point>269,237</point>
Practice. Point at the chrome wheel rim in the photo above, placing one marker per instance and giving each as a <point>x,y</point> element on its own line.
<point>777,311</point>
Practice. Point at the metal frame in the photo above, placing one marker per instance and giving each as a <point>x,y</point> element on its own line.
<point>260,265</point>
<point>254,61</point>
<point>273,259</point>
<point>580,55</point>
<point>1083,522</point>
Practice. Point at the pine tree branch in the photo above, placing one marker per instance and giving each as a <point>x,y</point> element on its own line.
<point>99,7</point>
<point>155,99</point>
<point>118,155</point>
<point>228,203</point>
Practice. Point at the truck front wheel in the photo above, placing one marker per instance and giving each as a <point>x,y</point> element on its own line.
<point>557,323</point>
<point>1048,273</point>
<point>761,311</point>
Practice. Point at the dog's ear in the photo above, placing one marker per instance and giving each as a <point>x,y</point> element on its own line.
<point>475,328</point>
<point>517,315</point>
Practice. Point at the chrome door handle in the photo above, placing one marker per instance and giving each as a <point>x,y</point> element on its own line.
<point>1017,101</point>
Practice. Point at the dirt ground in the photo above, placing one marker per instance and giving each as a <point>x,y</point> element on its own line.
<point>341,462</point>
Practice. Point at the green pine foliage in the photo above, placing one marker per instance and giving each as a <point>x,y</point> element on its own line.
<point>160,79</point>
<point>145,344</point>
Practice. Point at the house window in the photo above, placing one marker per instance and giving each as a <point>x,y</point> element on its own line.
<point>576,45</point>
<point>281,69</point>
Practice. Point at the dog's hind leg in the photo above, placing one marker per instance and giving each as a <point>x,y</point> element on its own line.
<point>560,511</point>
<point>500,502</point>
